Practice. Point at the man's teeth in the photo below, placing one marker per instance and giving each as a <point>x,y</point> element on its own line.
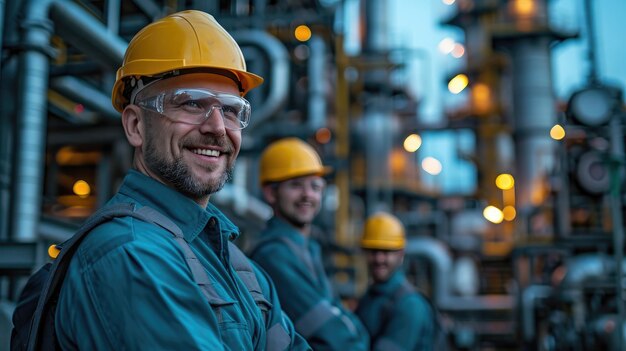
<point>206,152</point>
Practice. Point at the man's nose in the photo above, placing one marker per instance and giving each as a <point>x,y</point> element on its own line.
<point>214,123</point>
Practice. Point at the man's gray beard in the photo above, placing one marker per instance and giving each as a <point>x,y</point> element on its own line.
<point>178,175</point>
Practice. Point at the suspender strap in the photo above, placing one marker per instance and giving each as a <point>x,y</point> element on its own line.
<point>277,338</point>
<point>244,270</point>
<point>315,317</point>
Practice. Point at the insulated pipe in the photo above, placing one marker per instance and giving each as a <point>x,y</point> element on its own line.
<point>439,256</point>
<point>88,35</point>
<point>317,75</point>
<point>278,57</point>
<point>534,115</point>
<point>582,267</point>
<point>529,296</point>
<point>81,92</point>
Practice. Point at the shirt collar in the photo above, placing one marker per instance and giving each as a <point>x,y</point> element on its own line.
<point>396,279</point>
<point>183,211</point>
<point>277,226</point>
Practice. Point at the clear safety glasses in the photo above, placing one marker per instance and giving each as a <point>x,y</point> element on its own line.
<point>195,106</point>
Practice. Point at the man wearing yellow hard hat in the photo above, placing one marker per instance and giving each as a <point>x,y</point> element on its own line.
<point>395,314</point>
<point>173,281</point>
<point>291,176</point>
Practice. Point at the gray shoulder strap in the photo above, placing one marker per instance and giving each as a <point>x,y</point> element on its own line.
<point>244,270</point>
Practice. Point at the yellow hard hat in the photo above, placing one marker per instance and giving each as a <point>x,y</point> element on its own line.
<point>182,41</point>
<point>383,232</point>
<point>289,158</point>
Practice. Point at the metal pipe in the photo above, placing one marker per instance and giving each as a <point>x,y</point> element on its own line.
<point>534,115</point>
<point>317,76</point>
<point>591,42</point>
<point>529,296</point>
<point>439,256</point>
<point>88,35</point>
<point>81,92</point>
<point>278,57</point>
<point>27,171</point>
<point>616,163</point>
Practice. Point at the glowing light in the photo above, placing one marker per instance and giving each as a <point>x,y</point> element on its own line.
<point>505,181</point>
<point>509,213</point>
<point>302,33</point>
<point>323,135</point>
<point>448,2</point>
<point>481,97</point>
<point>79,108</point>
<point>458,83</point>
<point>557,132</point>
<point>524,8</point>
<point>412,143</point>
<point>431,165</point>
<point>397,161</point>
<point>81,188</point>
<point>446,46</point>
<point>493,214</point>
<point>458,51</point>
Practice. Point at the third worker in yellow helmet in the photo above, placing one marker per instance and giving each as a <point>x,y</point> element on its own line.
<point>395,314</point>
<point>291,176</point>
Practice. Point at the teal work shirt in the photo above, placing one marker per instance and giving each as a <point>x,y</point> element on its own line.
<point>305,291</point>
<point>129,287</point>
<point>405,324</point>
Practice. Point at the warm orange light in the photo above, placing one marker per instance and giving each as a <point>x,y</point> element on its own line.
<point>493,214</point>
<point>524,8</point>
<point>458,83</point>
<point>81,188</point>
<point>302,33</point>
<point>412,143</point>
<point>481,97</point>
<point>505,181</point>
<point>323,135</point>
<point>397,162</point>
<point>509,213</point>
<point>557,132</point>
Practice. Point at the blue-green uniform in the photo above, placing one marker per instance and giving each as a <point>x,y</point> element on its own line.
<point>295,264</point>
<point>403,323</point>
<point>129,286</point>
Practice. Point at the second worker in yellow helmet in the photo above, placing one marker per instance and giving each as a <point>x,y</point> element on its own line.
<point>291,176</point>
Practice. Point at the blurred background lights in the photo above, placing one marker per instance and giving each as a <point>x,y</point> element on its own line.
<point>448,2</point>
<point>505,181</point>
<point>557,132</point>
<point>458,83</point>
<point>508,213</point>
<point>412,143</point>
<point>323,135</point>
<point>302,33</point>
<point>493,214</point>
<point>446,46</point>
<point>431,165</point>
<point>458,51</point>
<point>81,188</point>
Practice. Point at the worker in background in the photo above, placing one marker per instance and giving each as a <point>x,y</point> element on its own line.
<point>291,176</point>
<point>395,314</point>
<point>131,285</point>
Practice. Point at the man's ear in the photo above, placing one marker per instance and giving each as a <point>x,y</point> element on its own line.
<point>269,193</point>
<point>133,124</point>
